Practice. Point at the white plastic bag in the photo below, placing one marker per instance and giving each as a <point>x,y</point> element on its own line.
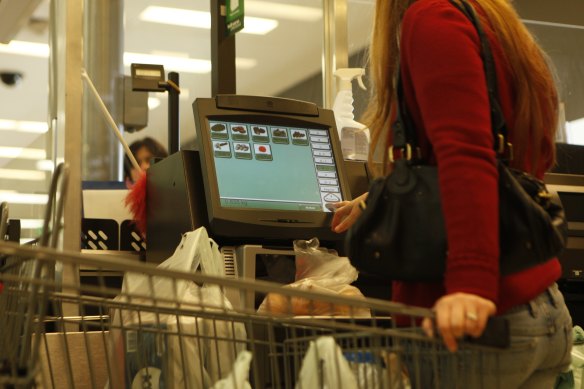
<point>578,357</point>
<point>237,379</point>
<point>146,342</point>
<point>377,369</point>
<point>325,361</point>
<point>321,271</point>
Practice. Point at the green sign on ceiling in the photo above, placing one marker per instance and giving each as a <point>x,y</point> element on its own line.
<point>233,16</point>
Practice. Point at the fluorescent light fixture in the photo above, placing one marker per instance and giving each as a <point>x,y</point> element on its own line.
<point>178,64</point>
<point>258,26</point>
<point>575,132</point>
<point>13,197</point>
<point>40,50</point>
<point>45,165</point>
<point>245,63</point>
<point>31,224</point>
<point>176,17</point>
<point>181,64</point>
<point>24,153</point>
<point>153,103</point>
<point>201,19</point>
<point>22,175</point>
<point>283,11</point>
<point>24,126</point>
<point>175,63</point>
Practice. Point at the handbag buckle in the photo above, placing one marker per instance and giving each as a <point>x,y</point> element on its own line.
<point>408,153</point>
<point>502,145</point>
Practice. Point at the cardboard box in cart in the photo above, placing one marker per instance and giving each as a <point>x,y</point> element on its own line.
<point>75,355</point>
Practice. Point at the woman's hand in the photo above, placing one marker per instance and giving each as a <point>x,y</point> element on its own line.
<point>459,314</point>
<point>346,213</point>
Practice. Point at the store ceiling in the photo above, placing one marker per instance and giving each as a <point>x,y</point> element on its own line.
<point>284,57</point>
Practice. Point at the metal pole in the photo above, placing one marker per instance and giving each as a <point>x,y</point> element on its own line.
<point>65,110</point>
<point>336,47</point>
<point>222,52</point>
<point>103,48</point>
<point>173,115</point>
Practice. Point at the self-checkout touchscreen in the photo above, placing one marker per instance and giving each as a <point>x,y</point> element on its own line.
<point>262,166</point>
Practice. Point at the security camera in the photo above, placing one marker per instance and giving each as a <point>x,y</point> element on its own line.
<point>10,78</point>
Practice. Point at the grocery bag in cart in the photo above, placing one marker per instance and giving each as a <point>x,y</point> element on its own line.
<point>322,271</point>
<point>158,340</point>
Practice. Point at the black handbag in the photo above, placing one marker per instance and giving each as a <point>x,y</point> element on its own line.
<point>401,235</point>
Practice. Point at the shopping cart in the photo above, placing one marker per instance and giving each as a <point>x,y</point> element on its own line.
<point>159,338</point>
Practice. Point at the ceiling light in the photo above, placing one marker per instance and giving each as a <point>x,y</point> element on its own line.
<point>200,19</point>
<point>245,63</point>
<point>176,17</point>
<point>258,26</point>
<point>13,197</point>
<point>45,165</point>
<point>153,103</point>
<point>23,175</point>
<point>283,11</point>
<point>32,49</point>
<point>24,126</point>
<point>31,224</point>
<point>179,64</point>
<point>575,132</point>
<point>24,153</point>
<point>175,63</point>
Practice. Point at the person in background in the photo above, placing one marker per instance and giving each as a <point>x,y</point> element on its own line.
<point>444,88</point>
<point>143,150</point>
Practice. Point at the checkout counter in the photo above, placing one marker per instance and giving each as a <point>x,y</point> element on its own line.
<point>173,184</point>
<point>570,188</point>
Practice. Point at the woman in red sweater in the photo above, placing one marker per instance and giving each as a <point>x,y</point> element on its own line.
<point>446,97</point>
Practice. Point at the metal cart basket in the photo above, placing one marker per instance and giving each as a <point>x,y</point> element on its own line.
<point>141,340</point>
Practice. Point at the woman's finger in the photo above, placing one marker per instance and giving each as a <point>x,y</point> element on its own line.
<point>457,321</point>
<point>348,221</point>
<point>445,329</point>
<point>428,327</point>
<point>343,209</point>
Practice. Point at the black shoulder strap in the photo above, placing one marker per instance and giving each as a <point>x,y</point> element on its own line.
<point>403,131</point>
<point>498,120</point>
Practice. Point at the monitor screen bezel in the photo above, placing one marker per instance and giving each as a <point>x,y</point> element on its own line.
<point>257,223</point>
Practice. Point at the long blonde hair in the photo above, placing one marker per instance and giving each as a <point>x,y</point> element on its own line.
<point>536,101</point>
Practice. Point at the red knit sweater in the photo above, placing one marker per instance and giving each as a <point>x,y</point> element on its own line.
<point>446,95</point>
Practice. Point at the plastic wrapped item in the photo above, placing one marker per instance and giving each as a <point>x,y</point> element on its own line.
<point>322,271</point>
<point>158,357</point>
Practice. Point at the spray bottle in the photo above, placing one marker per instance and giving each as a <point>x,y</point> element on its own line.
<point>354,135</point>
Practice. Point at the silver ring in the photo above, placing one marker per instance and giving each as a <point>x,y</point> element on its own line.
<point>472,316</point>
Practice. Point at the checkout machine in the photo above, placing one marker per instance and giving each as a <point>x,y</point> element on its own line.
<point>264,174</point>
